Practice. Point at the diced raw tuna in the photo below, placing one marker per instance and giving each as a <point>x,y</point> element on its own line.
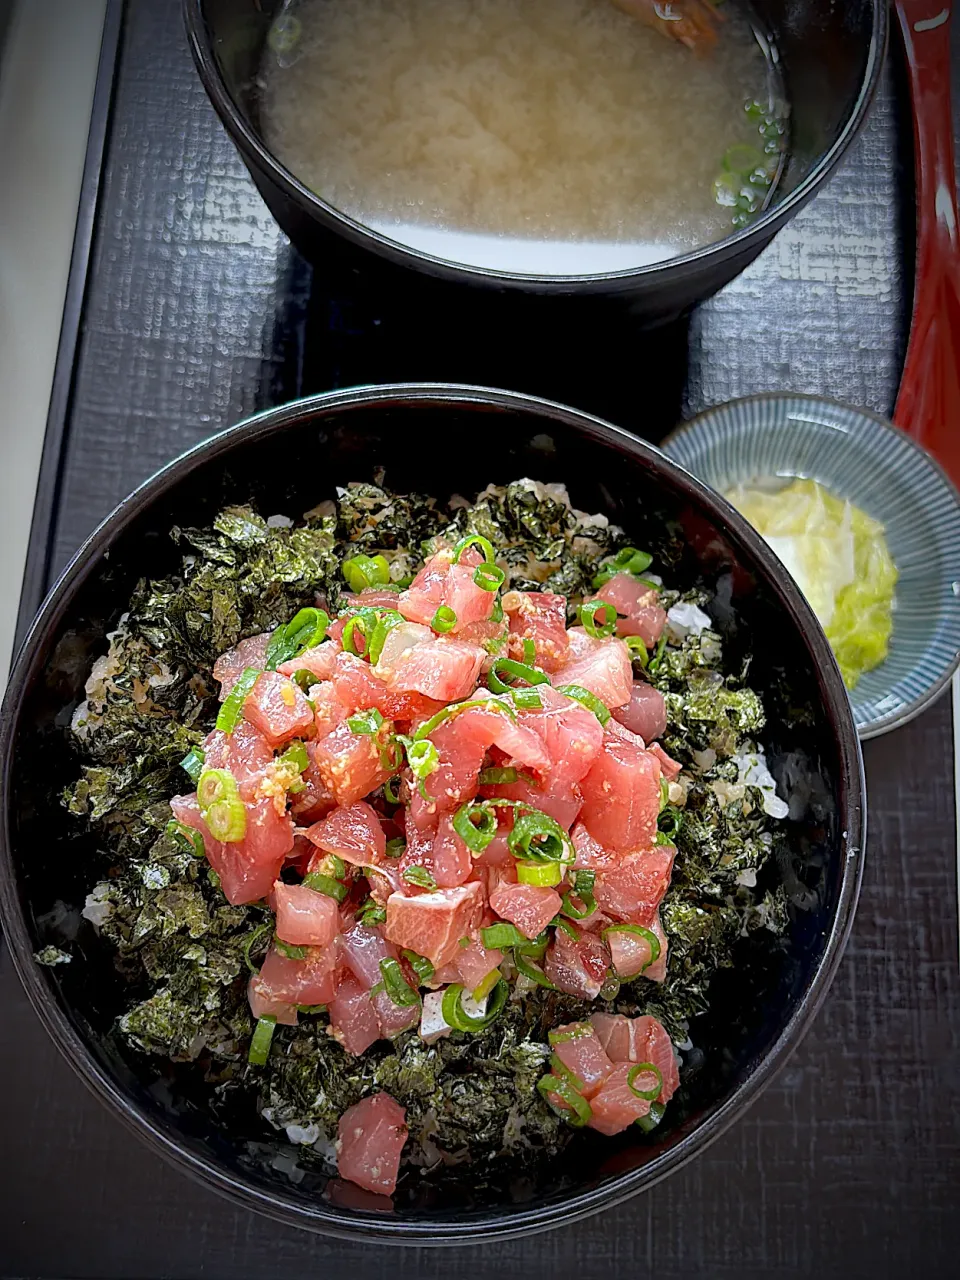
<point>432,924</point>
<point>305,917</point>
<point>646,712</point>
<point>621,795</point>
<point>576,965</point>
<point>541,617</point>
<point>353,833</point>
<point>359,688</point>
<point>443,669</point>
<point>630,953</point>
<point>247,868</point>
<point>657,972</point>
<point>399,639</point>
<point>633,890</point>
<point>615,1107</point>
<point>375,598</point>
<point>264,1005</point>
<point>362,949</point>
<point>570,732</point>
<point>353,1018</point>
<point>591,855</point>
<point>530,907</point>
<point>440,582</point>
<point>669,767</point>
<point>370,1138</point>
<point>639,1040</point>
<point>320,661</point>
<point>642,615</point>
<point>489,726</point>
<point>310,981</point>
<point>605,671</point>
<point>577,1047</point>
<point>349,764</point>
<point>475,962</point>
<point>395,1018</point>
<point>278,708</point>
<point>450,860</point>
<point>245,753</point>
<point>559,800</point>
<point>316,799</point>
<point>230,666</point>
<point>329,709</point>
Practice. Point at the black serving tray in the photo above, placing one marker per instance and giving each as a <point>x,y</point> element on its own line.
<point>187,310</point>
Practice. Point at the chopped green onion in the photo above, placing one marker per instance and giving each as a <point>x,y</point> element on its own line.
<point>653,1117</point>
<point>444,620</point>
<point>395,847</point>
<point>365,723</point>
<point>517,671</point>
<point>304,679</point>
<point>638,650</point>
<point>289,950</point>
<point>588,699</point>
<point>371,913</point>
<point>664,794</point>
<point>564,1090</point>
<point>192,762</point>
<point>220,805</point>
<point>495,777</point>
<point>326,884</point>
<point>627,560</point>
<point>420,965</point>
<point>258,935</point>
<point>588,618</point>
<point>395,984</point>
<point>654,664</point>
<point>529,651</point>
<point>463,942</point>
<point>645,1068</point>
<point>387,619</point>
<point>583,889</point>
<point>311,1008</point>
<point>649,937</point>
<point>498,937</point>
<point>296,754</point>
<point>527,699</point>
<point>576,1031</point>
<point>610,989</point>
<point>454,1014</point>
<point>259,1050</point>
<point>474,540</point>
<point>420,876</point>
<point>423,759</point>
<point>391,755</point>
<point>497,615</point>
<point>365,571</point>
<point>485,704</point>
<point>532,971</point>
<point>232,709</point>
<point>486,985</point>
<point>391,791</point>
<point>476,825</point>
<point>349,638</point>
<point>536,837</point>
<point>535,947</point>
<point>185,837</point>
<point>671,820</point>
<point>569,929</point>
<point>545,874</point>
<point>489,577</point>
<point>304,630</point>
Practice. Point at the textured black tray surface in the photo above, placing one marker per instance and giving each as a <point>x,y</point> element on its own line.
<point>197,312</point>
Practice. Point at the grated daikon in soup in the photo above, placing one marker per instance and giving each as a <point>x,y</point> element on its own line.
<point>537,136</point>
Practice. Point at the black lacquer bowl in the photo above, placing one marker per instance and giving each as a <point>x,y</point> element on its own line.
<point>829,54</point>
<point>439,440</point>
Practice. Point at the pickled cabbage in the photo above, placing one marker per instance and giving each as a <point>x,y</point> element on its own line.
<point>838,556</point>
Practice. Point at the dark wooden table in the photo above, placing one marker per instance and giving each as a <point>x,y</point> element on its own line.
<point>193,313</point>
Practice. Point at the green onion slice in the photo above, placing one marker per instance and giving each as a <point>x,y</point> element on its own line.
<point>304,679</point>
<point>289,950</point>
<point>496,776</point>
<point>563,1089</point>
<point>474,540</point>
<point>304,631</point>
<point>259,1050</point>
<point>192,762</point>
<point>476,825</point>
<point>532,971</point>
<point>516,671</point>
<point>536,837</point>
<point>498,937</point>
<point>664,794</point>
<point>577,1031</point>
<point>644,1069</point>
<point>420,876</point>
<point>489,577</point>
<point>529,652</point>
<point>653,1117</point>
<point>258,935</point>
<point>649,937</point>
<point>596,626</point>
<point>395,984</point>
<point>232,709</point>
<point>627,560</point>
<point>387,619</point>
<point>543,874</point>
<point>456,1016</point>
<point>444,620</point>
<point>527,699</point>
<point>220,805</point>
<point>448,713</point>
<point>391,791</point>
<point>365,723</point>
<point>395,847</point>
<point>588,699</point>
<point>583,890</point>
<point>638,650</point>
<point>185,838</point>
<point>420,965</point>
<point>326,884</point>
<point>296,754</point>
<point>654,664</point>
<point>670,822</point>
<point>391,756</point>
<point>569,929</point>
<point>371,913</point>
<point>365,571</point>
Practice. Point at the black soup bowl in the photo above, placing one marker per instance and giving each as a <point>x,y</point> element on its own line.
<point>830,55</point>
<point>425,437</point>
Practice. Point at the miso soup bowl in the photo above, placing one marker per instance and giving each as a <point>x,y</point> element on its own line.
<point>759,1010</point>
<point>830,54</point>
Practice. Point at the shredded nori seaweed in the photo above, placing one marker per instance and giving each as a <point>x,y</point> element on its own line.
<point>182,946</point>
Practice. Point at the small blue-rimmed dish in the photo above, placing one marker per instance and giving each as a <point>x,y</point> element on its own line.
<point>859,456</point>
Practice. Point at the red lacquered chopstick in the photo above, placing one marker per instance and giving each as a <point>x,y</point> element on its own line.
<point>928,406</point>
